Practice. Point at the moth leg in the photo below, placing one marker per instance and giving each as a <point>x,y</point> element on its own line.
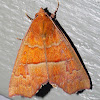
<point>19,39</point>
<point>29,17</point>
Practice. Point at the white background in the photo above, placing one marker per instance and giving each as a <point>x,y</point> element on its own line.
<point>81,21</point>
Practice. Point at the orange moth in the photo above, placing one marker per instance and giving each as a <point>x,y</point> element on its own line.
<point>46,55</point>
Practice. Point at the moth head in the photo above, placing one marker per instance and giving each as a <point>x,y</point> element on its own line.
<point>40,13</point>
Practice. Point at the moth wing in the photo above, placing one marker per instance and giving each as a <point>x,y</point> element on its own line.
<point>29,71</point>
<point>64,67</point>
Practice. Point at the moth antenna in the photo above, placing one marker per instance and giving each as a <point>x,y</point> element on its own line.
<point>56,8</point>
<point>19,39</point>
<point>54,14</point>
<point>29,17</point>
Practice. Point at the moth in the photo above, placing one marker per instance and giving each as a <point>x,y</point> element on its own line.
<point>46,55</point>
